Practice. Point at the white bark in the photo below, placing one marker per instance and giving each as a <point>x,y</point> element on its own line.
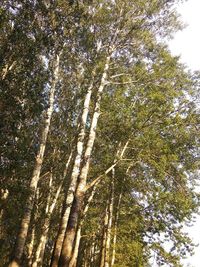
<point>92,134</point>
<point>74,176</point>
<point>68,242</point>
<point>115,231</point>
<point>109,227</point>
<point>45,229</point>
<point>103,245</point>
<point>21,238</point>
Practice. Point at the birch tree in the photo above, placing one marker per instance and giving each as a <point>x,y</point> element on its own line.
<point>90,89</point>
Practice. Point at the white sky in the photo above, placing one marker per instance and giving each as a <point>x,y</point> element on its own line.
<point>187,44</point>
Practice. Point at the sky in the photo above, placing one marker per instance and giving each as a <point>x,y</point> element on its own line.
<point>186,43</point>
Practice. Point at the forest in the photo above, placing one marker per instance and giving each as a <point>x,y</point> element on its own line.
<point>99,135</point>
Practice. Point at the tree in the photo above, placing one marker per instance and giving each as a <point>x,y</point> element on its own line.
<point>113,118</point>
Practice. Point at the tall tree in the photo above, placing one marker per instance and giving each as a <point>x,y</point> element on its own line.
<point>89,89</point>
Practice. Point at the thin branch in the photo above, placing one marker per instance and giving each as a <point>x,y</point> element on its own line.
<point>121,83</point>
<point>120,74</point>
<point>98,179</point>
<point>116,161</point>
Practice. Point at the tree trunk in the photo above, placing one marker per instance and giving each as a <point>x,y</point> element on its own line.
<point>86,259</point>
<point>30,247</point>
<point>109,228</point>
<point>70,234</point>
<point>115,231</point>
<point>45,229</point>
<point>4,196</point>
<point>73,182</point>
<point>103,243</point>
<point>21,238</point>
<point>73,260</point>
<point>93,251</point>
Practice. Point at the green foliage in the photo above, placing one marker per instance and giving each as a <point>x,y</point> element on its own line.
<point>149,99</point>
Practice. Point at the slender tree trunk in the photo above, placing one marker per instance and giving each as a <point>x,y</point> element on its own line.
<point>21,238</point>
<point>109,228</point>
<point>76,247</point>
<point>115,231</point>
<point>104,236</point>
<point>45,226</point>
<point>94,185</point>
<point>4,197</point>
<point>86,261</point>
<point>70,234</point>
<point>73,260</point>
<point>31,246</point>
<point>93,253</point>
<point>45,229</point>
<point>73,182</point>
